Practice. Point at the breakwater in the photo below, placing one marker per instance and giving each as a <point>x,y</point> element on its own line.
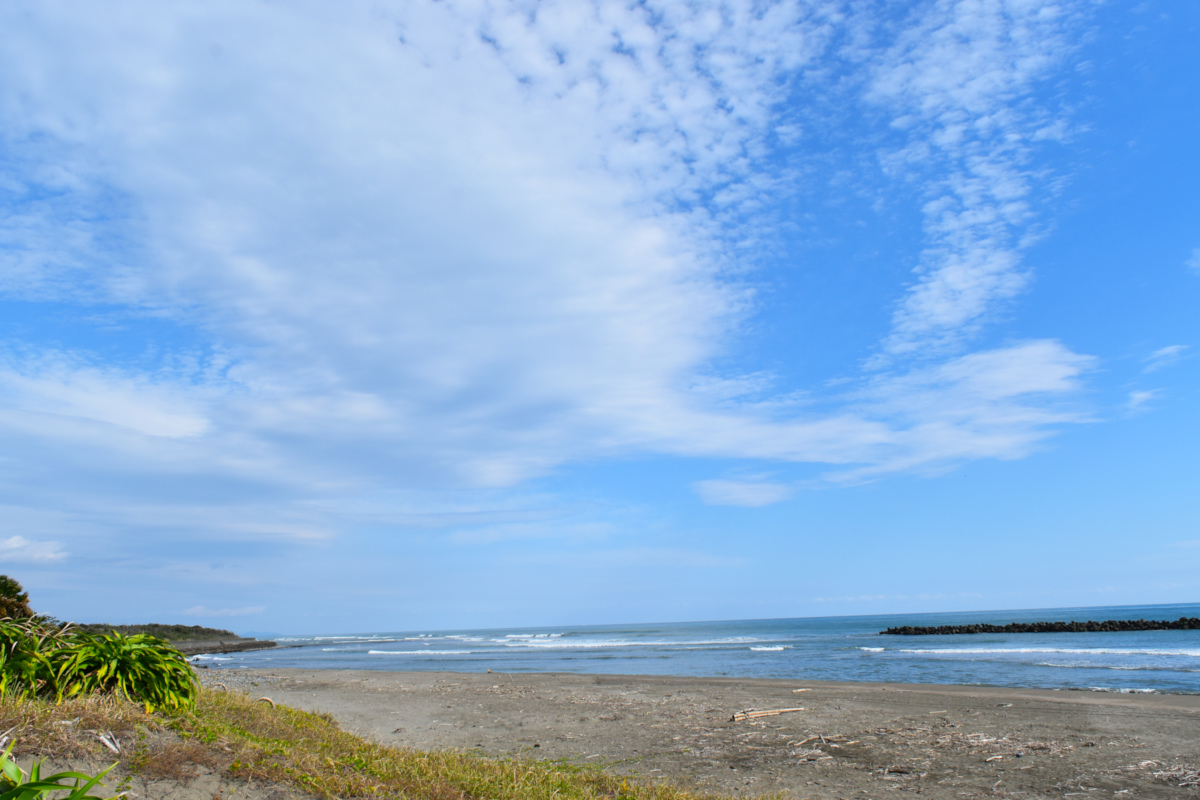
<point>1181,624</point>
<point>232,644</point>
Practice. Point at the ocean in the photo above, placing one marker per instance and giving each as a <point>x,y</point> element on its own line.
<point>815,648</point>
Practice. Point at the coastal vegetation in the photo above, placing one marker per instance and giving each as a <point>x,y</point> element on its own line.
<point>17,784</point>
<point>240,737</point>
<point>40,659</point>
<point>14,600</point>
<point>172,633</point>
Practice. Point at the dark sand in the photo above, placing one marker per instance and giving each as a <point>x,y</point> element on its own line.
<point>870,739</point>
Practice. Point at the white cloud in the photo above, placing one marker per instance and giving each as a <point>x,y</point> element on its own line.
<point>959,83</point>
<point>638,557</point>
<point>1193,263</point>
<point>19,550</point>
<point>54,386</point>
<point>718,492</point>
<point>1138,399</point>
<point>1164,357</point>
<point>201,611</point>
<point>459,244</point>
<point>992,404</point>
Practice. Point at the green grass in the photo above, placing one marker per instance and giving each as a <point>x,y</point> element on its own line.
<point>311,752</point>
<point>234,735</point>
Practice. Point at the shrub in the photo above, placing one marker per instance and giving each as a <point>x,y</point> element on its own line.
<point>38,659</point>
<point>29,652</point>
<point>140,668</point>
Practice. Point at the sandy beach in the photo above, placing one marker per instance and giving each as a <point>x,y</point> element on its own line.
<point>845,740</point>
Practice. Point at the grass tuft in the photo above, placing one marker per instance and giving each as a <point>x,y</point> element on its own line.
<point>237,736</point>
<point>310,752</point>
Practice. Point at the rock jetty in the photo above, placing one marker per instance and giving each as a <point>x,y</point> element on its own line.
<point>234,644</point>
<point>1181,624</point>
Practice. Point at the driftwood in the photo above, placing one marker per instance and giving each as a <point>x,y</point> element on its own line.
<point>833,737</point>
<point>750,713</point>
<point>109,741</point>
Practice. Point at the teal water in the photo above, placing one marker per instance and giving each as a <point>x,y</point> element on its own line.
<point>817,648</point>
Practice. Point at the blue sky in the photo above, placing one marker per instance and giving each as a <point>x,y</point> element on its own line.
<point>410,315</point>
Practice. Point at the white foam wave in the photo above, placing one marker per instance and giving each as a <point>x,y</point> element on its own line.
<point>769,649</point>
<point>570,644</point>
<point>529,636</point>
<point>872,649</point>
<point>419,652</point>
<point>1118,667</point>
<point>203,657</point>
<point>1123,691</point>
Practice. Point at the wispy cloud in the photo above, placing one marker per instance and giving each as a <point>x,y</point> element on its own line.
<point>456,245</point>
<point>640,557</point>
<point>1165,357</point>
<point>1138,399</point>
<point>56,385</point>
<point>19,550</point>
<point>1193,263</point>
<point>201,611</point>
<point>751,494</point>
<point>959,82</point>
<point>997,403</point>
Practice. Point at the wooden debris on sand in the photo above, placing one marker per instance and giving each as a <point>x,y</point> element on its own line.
<point>750,713</point>
<point>833,738</point>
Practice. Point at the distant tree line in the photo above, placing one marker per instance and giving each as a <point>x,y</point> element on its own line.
<point>14,604</point>
<point>172,633</point>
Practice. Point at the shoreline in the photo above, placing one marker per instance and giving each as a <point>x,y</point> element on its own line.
<point>942,740</point>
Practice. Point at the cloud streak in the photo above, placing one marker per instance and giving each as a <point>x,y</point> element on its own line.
<point>19,550</point>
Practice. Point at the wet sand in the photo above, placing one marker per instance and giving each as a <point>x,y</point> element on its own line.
<point>851,740</point>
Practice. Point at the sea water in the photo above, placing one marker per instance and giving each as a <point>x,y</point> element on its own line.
<point>818,648</point>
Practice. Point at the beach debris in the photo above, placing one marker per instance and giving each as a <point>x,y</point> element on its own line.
<point>223,686</point>
<point>4,736</point>
<point>1180,776</point>
<point>825,740</point>
<point>993,758</point>
<point>266,700</point>
<point>751,713</point>
<point>109,741</point>
<point>795,691</point>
